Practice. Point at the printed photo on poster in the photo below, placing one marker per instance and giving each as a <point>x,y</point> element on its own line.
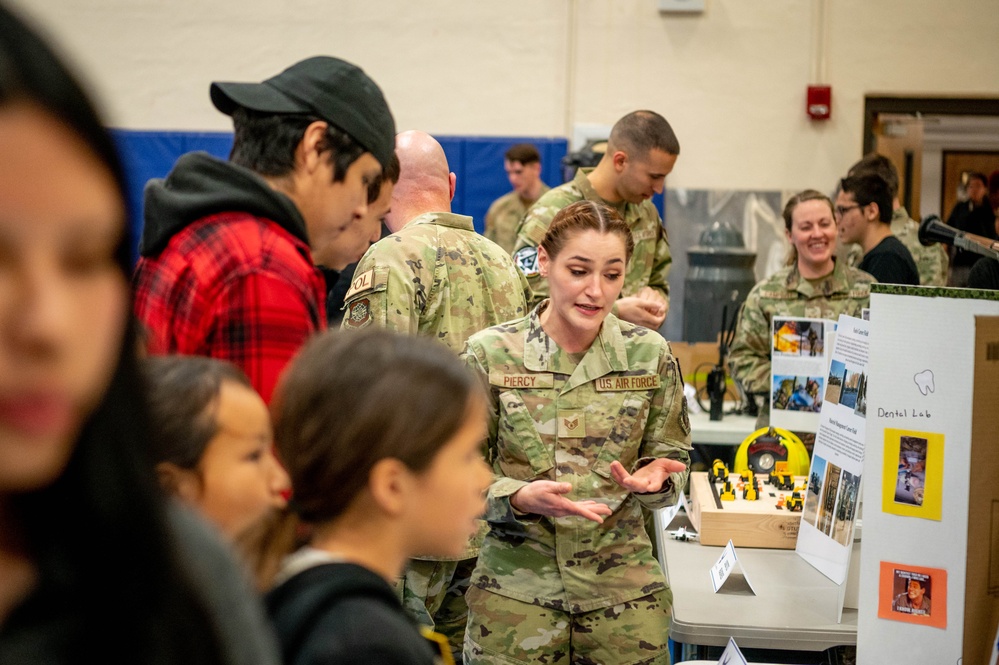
<point>846,506</point>
<point>798,393</point>
<point>815,481</point>
<point>800,364</point>
<point>913,594</point>
<point>912,480</point>
<point>861,407</point>
<point>796,337</point>
<point>847,386</point>
<point>827,499</point>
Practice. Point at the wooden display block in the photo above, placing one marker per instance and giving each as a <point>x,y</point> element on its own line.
<point>757,523</point>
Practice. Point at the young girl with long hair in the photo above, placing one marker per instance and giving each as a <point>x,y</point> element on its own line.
<point>381,435</point>
<point>216,443</point>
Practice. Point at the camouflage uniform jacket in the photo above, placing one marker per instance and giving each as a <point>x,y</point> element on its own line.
<point>650,262</point>
<point>553,419</point>
<point>503,218</point>
<point>932,261</point>
<point>436,277</point>
<point>786,293</point>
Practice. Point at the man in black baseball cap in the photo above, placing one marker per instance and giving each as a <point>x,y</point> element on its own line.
<point>229,249</point>
<point>328,88</point>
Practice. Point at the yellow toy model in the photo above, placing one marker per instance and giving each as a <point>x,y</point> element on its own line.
<point>727,493</point>
<point>794,503</point>
<point>780,477</point>
<point>719,471</point>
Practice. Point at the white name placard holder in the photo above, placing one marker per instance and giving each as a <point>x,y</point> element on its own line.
<point>732,655</point>
<point>721,572</point>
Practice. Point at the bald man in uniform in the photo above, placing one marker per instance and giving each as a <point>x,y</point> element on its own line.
<point>434,276</point>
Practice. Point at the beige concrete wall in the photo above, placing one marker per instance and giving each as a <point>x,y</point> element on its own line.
<point>731,80</point>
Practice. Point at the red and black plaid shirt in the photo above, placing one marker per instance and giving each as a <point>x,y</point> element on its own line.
<point>232,286</point>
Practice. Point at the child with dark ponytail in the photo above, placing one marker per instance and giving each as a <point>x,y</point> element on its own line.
<point>381,435</point>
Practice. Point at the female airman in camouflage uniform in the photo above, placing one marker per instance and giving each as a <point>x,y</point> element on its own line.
<point>814,285</point>
<point>588,423</point>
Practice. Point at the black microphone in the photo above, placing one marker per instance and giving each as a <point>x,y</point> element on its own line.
<point>932,230</point>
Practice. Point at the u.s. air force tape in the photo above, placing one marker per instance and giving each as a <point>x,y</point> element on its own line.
<point>615,383</point>
<point>526,258</point>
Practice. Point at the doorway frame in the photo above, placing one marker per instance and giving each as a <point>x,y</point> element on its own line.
<point>878,104</point>
<point>875,105</point>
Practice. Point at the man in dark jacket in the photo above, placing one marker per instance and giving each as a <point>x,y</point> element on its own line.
<point>972,216</point>
<point>229,249</point>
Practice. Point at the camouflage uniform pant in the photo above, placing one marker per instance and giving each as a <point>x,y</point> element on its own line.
<point>505,631</point>
<point>434,593</point>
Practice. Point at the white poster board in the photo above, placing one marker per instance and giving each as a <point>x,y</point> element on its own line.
<point>799,357</point>
<point>919,417</point>
<point>825,537</point>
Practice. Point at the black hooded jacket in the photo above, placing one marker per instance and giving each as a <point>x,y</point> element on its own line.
<point>344,613</point>
<point>200,185</point>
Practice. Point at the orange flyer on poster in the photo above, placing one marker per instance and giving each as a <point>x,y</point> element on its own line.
<point>913,594</point>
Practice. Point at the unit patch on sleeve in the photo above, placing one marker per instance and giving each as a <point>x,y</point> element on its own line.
<point>526,258</point>
<point>359,314</point>
<point>684,416</point>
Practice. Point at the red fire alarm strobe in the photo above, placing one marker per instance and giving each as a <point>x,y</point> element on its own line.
<point>819,102</point>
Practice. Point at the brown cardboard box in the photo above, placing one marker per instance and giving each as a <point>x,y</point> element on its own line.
<point>703,355</point>
<point>981,599</point>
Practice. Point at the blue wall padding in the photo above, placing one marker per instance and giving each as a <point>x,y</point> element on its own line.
<point>476,161</point>
<point>478,164</point>
<point>147,154</point>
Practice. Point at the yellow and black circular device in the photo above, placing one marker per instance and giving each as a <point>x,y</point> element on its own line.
<point>762,449</point>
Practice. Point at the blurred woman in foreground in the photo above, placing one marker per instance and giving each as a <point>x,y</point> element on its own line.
<point>90,570</point>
